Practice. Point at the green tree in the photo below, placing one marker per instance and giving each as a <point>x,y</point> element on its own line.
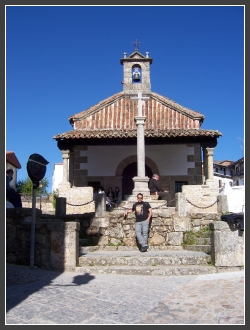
<point>55,196</point>
<point>25,187</point>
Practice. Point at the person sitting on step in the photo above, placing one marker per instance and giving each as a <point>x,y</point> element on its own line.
<point>156,189</point>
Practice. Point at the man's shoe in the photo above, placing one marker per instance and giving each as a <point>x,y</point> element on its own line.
<point>144,248</point>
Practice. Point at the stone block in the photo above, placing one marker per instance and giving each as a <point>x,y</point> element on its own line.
<point>227,245</point>
<point>103,240</point>
<point>181,223</point>
<point>100,222</point>
<point>157,239</point>
<point>175,238</point>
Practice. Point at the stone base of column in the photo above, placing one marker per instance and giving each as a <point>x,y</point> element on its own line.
<point>64,186</point>
<point>141,186</point>
<point>212,183</point>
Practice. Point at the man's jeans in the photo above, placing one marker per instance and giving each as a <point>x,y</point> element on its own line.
<point>141,231</point>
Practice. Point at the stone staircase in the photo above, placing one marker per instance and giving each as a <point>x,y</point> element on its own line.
<point>202,244</point>
<point>156,261</point>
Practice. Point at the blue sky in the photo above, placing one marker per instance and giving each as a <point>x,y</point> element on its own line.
<point>61,60</point>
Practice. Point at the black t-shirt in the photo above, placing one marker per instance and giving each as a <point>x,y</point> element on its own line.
<point>154,185</point>
<point>141,210</point>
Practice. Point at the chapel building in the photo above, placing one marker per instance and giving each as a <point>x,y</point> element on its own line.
<point>101,149</point>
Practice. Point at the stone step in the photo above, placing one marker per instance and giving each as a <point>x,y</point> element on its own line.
<point>156,208</point>
<point>128,201</point>
<point>135,258</point>
<point>203,248</point>
<point>157,261</point>
<point>153,270</point>
<point>203,241</point>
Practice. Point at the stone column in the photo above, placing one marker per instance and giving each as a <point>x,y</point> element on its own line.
<point>204,165</point>
<point>210,163</point>
<point>140,122</point>
<point>141,181</point>
<point>100,204</point>
<point>65,184</point>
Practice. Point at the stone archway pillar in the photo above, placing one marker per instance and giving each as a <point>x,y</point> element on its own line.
<point>65,184</point>
<point>210,163</point>
<point>210,180</point>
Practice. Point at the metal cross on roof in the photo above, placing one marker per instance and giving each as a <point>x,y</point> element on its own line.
<point>136,44</point>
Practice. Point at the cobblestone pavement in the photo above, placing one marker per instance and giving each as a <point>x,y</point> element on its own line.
<point>35,296</point>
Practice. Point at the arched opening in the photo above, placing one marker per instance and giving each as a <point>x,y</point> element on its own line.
<point>136,74</point>
<point>128,173</point>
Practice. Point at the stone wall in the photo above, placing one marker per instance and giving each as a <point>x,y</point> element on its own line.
<point>56,240</point>
<point>167,228</point>
<point>44,205</point>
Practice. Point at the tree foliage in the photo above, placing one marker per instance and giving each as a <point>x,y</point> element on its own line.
<point>55,196</point>
<point>25,187</point>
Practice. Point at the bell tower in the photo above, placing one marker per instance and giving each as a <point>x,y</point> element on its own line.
<point>136,72</point>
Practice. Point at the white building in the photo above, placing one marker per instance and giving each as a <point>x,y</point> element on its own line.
<point>238,172</point>
<point>12,163</point>
<point>57,175</point>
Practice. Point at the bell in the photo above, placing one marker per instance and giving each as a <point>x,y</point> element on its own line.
<point>136,77</point>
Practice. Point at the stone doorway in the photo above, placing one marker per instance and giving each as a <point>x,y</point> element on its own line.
<point>128,173</point>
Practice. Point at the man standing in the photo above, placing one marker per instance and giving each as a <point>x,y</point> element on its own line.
<point>156,189</point>
<point>11,194</point>
<point>143,213</point>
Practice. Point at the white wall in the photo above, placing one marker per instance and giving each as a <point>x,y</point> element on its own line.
<point>57,175</point>
<point>170,159</point>
<point>224,181</point>
<point>235,198</point>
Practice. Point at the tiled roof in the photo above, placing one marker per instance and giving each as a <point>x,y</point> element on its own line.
<point>241,160</point>
<point>100,134</point>
<point>226,162</point>
<point>12,159</point>
<point>114,117</point>
<point>123,103</point>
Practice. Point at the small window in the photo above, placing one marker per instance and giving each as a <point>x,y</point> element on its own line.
<point>179,184</point>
